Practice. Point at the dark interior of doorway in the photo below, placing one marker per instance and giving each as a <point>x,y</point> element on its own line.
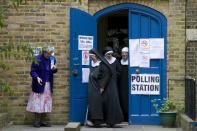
<point>113,31</point>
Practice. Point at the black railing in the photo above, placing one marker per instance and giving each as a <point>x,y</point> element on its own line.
<point>190,98</point>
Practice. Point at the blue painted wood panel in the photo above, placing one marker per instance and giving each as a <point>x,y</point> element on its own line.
<point>146,24</point>
<point>81,23</point>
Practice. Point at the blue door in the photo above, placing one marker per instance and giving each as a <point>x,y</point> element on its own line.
<point>146,23</point>
<point>82,26</point>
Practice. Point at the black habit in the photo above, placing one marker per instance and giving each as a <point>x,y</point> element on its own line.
<point>112,108</point>
<point>99,77</point>
<point>123,91</point>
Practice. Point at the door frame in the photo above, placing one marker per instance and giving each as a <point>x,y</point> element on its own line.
<point>151,12</point>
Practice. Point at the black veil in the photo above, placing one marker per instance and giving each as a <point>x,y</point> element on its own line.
<point>94,51</point>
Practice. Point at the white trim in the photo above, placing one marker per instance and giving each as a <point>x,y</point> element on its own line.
<point>124,62</point>
<point>95,64</point>
<point>111,60</point>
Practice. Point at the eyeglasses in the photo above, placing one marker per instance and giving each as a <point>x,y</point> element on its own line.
<point>108,54</point>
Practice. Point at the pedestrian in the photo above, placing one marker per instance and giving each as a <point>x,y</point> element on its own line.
<point>111,97</point>
<point>123,87</point>
<point>40,99</point>
<point>100,75</point>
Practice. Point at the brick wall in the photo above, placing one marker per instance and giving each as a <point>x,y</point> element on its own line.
<point>191,28</point>
<point>176,49</point>
<point>191,39</point>
<point>39,23</point>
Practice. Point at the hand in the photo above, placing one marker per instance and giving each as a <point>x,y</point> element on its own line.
<point>39,80</point>
<point>54,67</point>
<point>101,90</point>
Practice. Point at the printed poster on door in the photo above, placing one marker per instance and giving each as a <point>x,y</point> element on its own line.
<point>157,48</point>
<point>144,49</point>
<point>85,75</point>
<point>141,51</point>
<point>85,42</point>
<point>85,57</point>
<point>145,84</point>
<point>134,52</point>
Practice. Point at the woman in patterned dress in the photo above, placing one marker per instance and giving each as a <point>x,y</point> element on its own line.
<point>40,99</point>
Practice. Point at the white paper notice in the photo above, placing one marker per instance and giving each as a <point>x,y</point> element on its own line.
<point>144,53</point>
<point>134,52</point>
<point>157,48</point>
<point>146,84</point>
<point>85,75</point>
<point>144,45</point>
<point>37,50</point>
<point>144,60</point>
<point>85,42</point>
<point>85,57</point>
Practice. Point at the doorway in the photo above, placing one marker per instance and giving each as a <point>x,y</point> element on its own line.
<point>112,30</point>
<point>116,26</point>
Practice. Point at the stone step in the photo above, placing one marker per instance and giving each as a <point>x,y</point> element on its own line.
<point>72,126</point>
<point>3,119</point>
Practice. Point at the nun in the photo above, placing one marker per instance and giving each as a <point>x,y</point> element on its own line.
<point>100,75</point>
<point>123,87</point>
<point>112,106</point>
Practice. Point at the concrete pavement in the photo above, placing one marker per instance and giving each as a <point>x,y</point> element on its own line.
<point>122,127</point>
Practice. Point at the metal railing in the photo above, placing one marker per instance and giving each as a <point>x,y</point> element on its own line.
<point>190,97</point>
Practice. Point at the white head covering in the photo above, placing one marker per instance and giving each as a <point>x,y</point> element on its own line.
<point>122,61</point>
<point>125,49</point>
<point>48,49</point>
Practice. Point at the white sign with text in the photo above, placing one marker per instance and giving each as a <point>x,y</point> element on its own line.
<point>145,84</point>
<point>85,42</point>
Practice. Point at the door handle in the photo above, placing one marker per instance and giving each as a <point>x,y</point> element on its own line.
<point>75,58</point>
<point>137,71</point>
<point>75,72</point>
<point>76,64</point>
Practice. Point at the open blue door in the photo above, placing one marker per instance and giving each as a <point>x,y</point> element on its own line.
<point>82,38</point>
<point>146,23</point>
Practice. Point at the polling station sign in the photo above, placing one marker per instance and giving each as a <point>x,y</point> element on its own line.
<point>145,84</point>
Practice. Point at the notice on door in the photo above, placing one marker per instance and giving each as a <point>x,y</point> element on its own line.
<point>141,51</point>
<point>85,75</point>
<point>85,57</point>
<point>85,42</point>
<point>145,84</point>
<point>157,48</point>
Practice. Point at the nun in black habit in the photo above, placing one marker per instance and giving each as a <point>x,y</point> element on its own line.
<point>112,108</point>
<point>99,78</point>
<point>123,87</point>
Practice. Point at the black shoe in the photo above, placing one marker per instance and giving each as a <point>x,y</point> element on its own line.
<point>45,124</point>
<point>97,124</point>
<point>110,125</point>
<point>36,124</point>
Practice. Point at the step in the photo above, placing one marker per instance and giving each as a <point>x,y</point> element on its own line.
<point>72,126</point>
<point>3,119</point>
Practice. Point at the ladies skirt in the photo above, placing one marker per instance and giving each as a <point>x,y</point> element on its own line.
<point>40,102</point>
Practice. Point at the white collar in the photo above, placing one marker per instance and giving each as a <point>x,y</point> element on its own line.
<point>112,60</point>
<point>95,64</point>
<point>124,62</point>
